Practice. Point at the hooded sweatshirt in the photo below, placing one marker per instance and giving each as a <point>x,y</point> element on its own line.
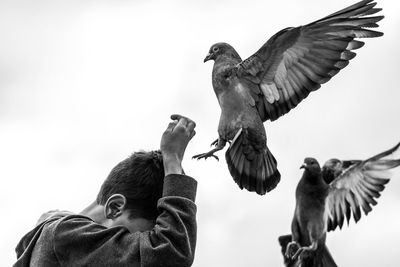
<point>67,239</point>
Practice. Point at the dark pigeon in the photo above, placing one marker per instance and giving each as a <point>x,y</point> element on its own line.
<point>322,207</point>
<point>274,80</point>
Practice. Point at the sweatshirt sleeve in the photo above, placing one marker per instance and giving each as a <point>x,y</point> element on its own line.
<point>79,241</point>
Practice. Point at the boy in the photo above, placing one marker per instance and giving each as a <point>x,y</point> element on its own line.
<point>144,215</point>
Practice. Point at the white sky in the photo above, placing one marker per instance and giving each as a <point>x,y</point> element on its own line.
<point>85,83</point>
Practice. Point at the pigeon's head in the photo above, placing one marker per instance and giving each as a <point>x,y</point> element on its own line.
<point>311,165</point>
<point>219,49</point>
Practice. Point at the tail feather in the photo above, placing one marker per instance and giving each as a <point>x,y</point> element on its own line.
<point>251,164</point>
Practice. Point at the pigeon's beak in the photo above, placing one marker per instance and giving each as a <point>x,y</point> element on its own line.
<point>208,57</point>
<point>303,166</point>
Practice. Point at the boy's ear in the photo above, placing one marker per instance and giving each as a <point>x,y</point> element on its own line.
<point>114,206</point>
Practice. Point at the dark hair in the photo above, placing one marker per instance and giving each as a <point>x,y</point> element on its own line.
<point>140,179</point>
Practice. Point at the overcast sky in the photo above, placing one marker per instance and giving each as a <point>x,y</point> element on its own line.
<point>85,83</point>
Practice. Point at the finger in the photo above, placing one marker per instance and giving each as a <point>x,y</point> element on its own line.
<point>191,125</point>
<point>182,122</point>
<point>176,117</point>
<point>192,134</point>
<point>297,254</point>
<point>171,126</point>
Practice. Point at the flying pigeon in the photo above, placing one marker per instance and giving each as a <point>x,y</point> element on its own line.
<point>274,80</point>
<point>322,206</point>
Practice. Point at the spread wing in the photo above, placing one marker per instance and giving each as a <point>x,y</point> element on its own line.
<point>357,187</point>
<point>296,61</point>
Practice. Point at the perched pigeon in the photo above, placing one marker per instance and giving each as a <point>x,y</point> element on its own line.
<point>322,207</point>
<point>274,80</point>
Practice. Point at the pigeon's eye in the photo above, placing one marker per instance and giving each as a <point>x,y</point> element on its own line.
<point>215,49</point>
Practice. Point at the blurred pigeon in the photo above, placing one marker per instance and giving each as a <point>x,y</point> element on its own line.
<point>274,80</point>
<point>322,207</point>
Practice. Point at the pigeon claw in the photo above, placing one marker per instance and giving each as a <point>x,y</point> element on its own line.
<point>302,253</point>
<point>291,249</point>
<point>214,143</point>
<point>205,156</point>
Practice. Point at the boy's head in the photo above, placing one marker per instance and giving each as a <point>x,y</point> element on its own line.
<point>133,187</point>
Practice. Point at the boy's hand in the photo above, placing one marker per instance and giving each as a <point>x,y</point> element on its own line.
<point>174,142</point>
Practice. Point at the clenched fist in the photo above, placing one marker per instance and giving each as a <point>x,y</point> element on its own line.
<point>174,142</point>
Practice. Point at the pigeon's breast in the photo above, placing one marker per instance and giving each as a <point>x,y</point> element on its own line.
<point>238,112</point>
<point>237,106</point>
<point>222,76</point>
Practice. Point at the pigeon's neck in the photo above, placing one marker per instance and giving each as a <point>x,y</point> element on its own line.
<point>312,177</point>
<point>311,187</point>
<point>230,57</point>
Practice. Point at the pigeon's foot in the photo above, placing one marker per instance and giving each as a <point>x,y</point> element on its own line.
<point>303,253</point>
<point>216,144</point>
<point>206,155</point>
<point>291,249</point>
<point>219,144</point>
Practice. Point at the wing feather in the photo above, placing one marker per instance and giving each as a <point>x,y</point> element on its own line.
<point>297,60</point>
<point>357,187</point>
